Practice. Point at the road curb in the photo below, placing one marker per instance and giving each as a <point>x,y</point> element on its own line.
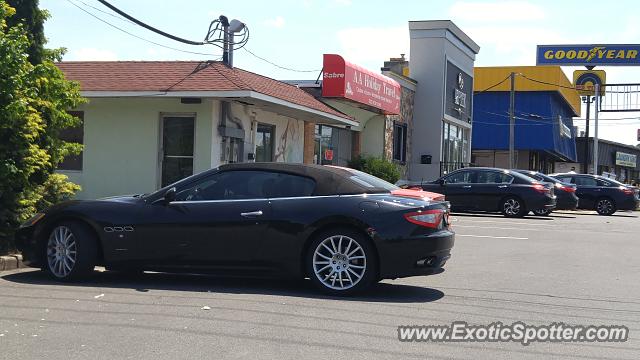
<point>10,262</point>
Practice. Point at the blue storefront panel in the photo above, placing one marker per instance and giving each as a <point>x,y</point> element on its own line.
<point>539,116</point>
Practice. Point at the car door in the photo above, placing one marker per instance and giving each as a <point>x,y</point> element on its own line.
<point>587,190</point>
<point>457,188</point>
<point>216,221</point>
<point>489,188</point>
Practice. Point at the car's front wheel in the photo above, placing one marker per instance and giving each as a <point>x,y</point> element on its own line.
<point>70,251</point>
<point>605,206</point>
<point>341,262</point>
<point>513,207</point>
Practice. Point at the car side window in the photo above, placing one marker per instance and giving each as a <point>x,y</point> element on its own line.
<point>566,179</point>
<point>585,181</point>
<point>247,184</point>
<point>461,177</point>
<point>493,177</point>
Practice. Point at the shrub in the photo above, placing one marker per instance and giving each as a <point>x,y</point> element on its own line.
<point>376,166</point>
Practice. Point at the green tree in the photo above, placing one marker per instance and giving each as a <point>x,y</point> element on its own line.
<point>34,100</point>
<point>32,17</point>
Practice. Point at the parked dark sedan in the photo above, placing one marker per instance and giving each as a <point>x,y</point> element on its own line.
<point>342,228</point>
<point>491,189</point>
<point>565,193</point>
<point>602,194</point>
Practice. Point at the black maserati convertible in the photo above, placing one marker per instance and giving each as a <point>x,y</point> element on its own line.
<point>342,228</point>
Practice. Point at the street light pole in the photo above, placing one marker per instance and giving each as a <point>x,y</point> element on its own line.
<point>512,122</point>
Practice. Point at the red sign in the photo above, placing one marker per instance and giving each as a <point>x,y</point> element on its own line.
<point>345,80</point>
<point>328,155</point>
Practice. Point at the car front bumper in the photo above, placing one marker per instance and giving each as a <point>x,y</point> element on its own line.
<point>26,243</point>
<point>415,256</point>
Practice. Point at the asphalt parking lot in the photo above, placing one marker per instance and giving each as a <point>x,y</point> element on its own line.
<point>572,267</point>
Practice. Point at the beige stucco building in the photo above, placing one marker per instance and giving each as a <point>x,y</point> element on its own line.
<point>148,124</point>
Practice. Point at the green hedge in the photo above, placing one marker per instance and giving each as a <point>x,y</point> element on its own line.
<point>377,166</point>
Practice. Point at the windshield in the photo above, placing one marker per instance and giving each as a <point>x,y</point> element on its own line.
<point>370,181</point>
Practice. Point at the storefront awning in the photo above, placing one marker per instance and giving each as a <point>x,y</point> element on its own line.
<point>342,79</point>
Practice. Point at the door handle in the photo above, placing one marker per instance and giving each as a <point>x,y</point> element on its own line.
<point>251,213</point>
<point>502,186</point>
<point>466,186</point>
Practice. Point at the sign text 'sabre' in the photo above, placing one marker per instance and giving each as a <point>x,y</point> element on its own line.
<point>342,79</point>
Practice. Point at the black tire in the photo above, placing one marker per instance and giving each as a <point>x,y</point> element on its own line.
<point>513,206</point>
<point>85,250</point>
<point>542,212</point>
<point>369,264</point>
<point>605,206</point>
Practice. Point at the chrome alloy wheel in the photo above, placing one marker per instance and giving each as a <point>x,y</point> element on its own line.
<point>61,251</point>
<point>604,206</point>
<point>339,262</point>
<point>512,207</point>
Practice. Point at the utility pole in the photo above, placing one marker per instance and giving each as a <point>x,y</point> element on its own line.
<point>587,156</point>
<point>512,122</point>
<point>595,139</point>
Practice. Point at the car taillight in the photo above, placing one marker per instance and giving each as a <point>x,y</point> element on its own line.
<point>626,191</point>
<point>426,218</point>
<point>540,188</point>
<point>565,188</point>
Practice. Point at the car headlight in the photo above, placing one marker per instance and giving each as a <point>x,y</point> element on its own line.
<point>34,219</point>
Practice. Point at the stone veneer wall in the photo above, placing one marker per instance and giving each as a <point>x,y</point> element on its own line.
<point>405,117</point>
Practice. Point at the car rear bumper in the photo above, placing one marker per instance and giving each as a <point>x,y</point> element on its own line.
<point>628,204</point>
<point>541,202</point>
<point>421,255</point>
<point>567,202</point>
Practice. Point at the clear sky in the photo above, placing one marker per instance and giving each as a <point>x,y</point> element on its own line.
<point>295,33</point>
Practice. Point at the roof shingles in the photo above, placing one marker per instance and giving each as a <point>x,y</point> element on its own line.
<point>173,76</point>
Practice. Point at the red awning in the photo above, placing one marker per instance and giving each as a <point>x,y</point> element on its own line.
<point>343,79</point>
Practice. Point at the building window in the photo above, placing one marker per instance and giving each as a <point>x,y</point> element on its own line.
<point>265,135</point>
<point>400,142</point>
<point>455,141</point>
<point>75,135</point>
<point>178,135</point>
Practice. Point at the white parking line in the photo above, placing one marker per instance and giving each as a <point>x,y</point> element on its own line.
<point>494,237</point>
<point>494,227</point>
<point>501,222</point>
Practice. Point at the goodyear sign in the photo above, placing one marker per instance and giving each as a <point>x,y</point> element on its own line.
<point>588,55</point>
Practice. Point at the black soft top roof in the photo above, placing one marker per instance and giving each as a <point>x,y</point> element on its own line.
<point>329,180</point>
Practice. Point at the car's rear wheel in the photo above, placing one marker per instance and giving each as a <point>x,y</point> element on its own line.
<point>605,206</point>
<point>71,252</point>
<point>542,212</point>
<point>341,262</point>
<point>513,207</point>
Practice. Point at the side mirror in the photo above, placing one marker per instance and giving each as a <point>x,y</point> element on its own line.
<point>442,182</point>
<point>170,195</point>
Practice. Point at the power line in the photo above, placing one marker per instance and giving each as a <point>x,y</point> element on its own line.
<point>149,27</point>
<point>494,85</point>
<point>279,66</point>
<point>136,36</point>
